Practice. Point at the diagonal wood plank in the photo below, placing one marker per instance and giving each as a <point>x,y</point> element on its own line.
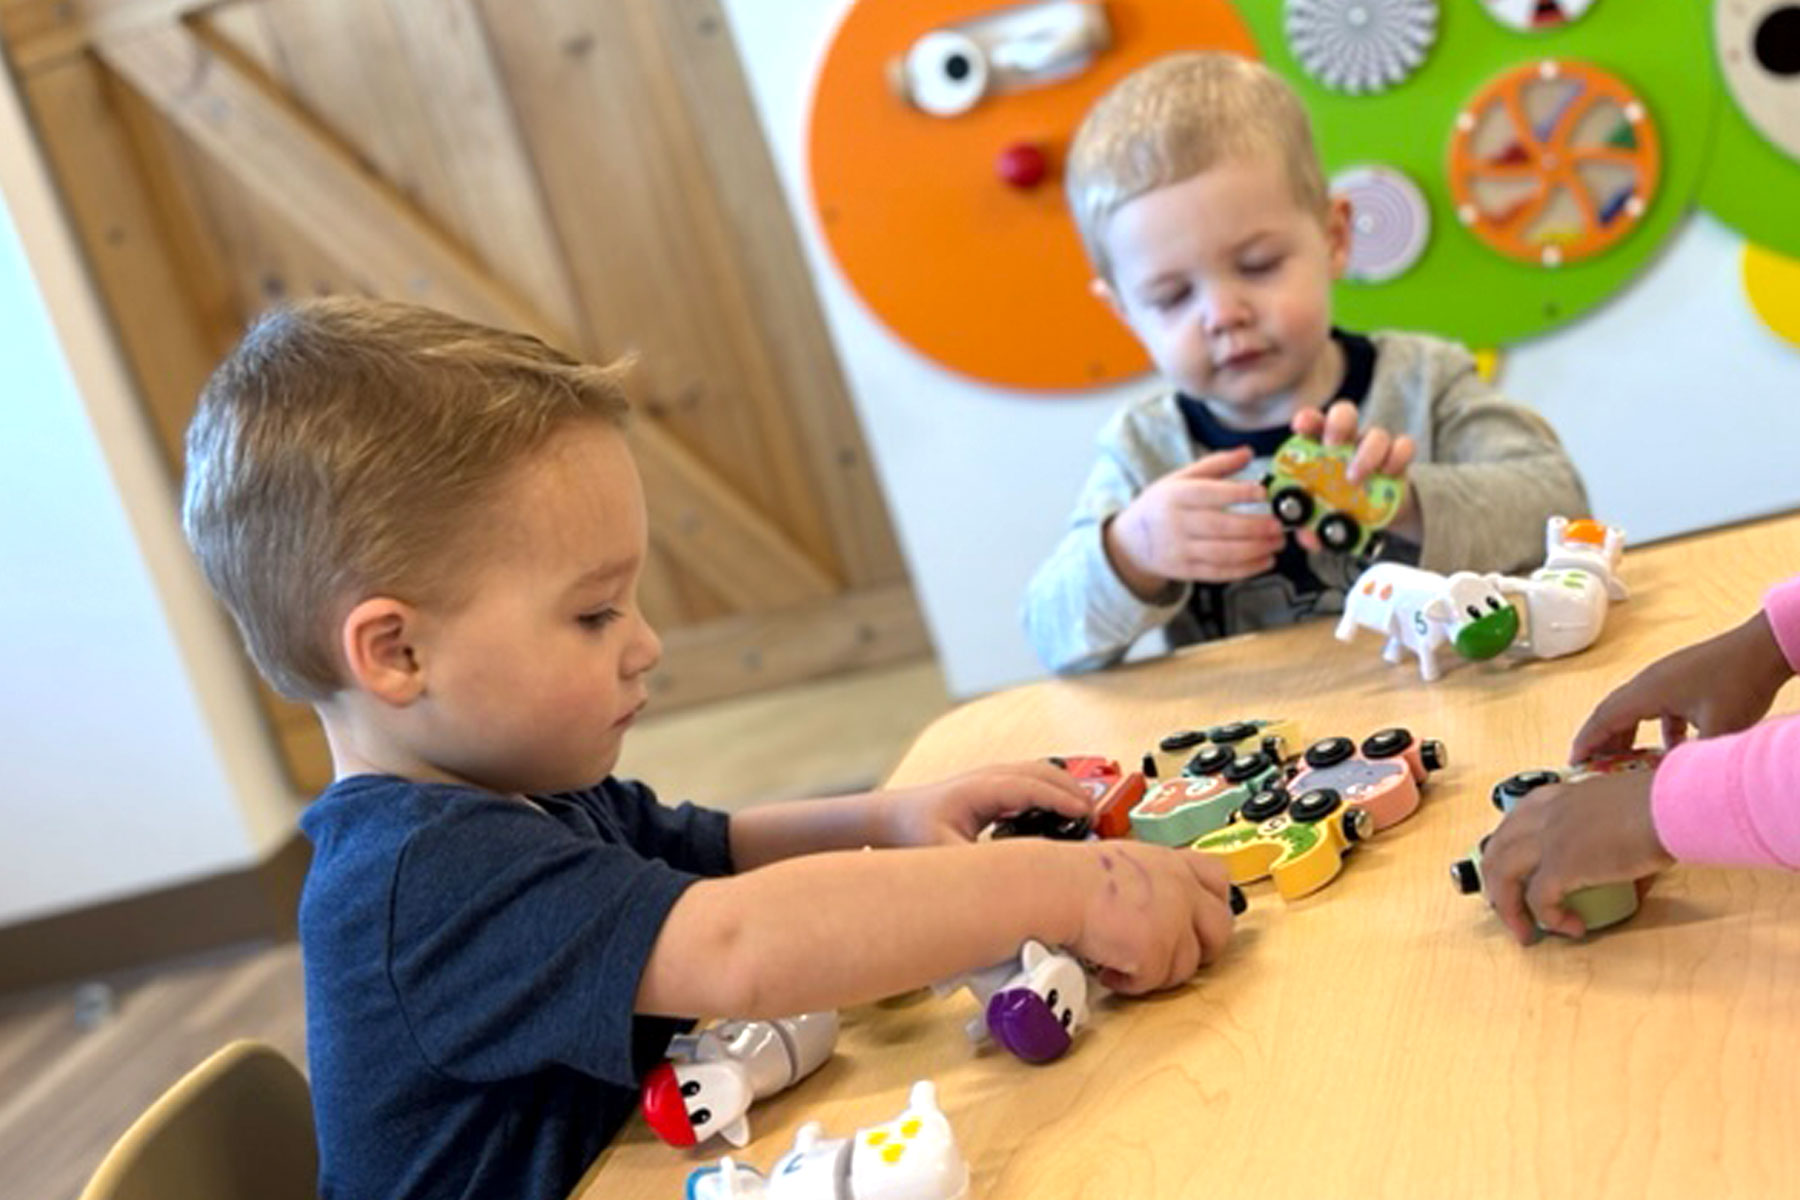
<point>41,32</point>
<point>295,169</point>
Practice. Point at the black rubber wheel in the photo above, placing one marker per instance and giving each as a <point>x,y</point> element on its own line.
<point>1315,805</point>
<point>1042,823</point>
<point>1236,731</point>
<point>1339,532</point>
<point>1292,506</point>
<point>1385,743</point>
<point>1329,752</point>
<point>1514,787</point>
<point>1270,802</point>
<point>1466,876</point>
<point>1248,766</point>
<point>1358,825</point>
<point>1185,739</point>
<point>1432,755</point>
<point>1239,902</point>
<point>1209,761</point>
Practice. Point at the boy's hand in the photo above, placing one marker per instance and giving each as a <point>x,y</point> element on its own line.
<point>956,809</point>
<point>1153,916</point>
<point>1564,838</point>
<point>1182,528</point>
<point>1721,685</point>
<point>1377,453</point>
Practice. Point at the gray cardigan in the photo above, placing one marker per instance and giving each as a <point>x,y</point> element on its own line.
<point>1488,474</point>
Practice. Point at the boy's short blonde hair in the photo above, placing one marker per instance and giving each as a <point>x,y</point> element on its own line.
<point>344,448</point>
<point>1175,118</point>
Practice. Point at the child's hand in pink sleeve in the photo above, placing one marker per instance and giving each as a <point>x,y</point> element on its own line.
<point>1153,915</point>
<point>1182,528</point>
<point>1378,452</point>
<point>1721,685</point>
<point>956,809</point>
<point>1562,839</point>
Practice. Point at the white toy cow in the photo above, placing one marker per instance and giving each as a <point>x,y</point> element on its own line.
<point>1423,611</point>
<point>713,1076</point>
<point>1033,1005</point>
<point>1565,601</point>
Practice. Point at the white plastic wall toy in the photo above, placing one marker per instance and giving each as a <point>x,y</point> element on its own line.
<point>1032,1005</point>
<point>1424,612</point>
<point>1564,602</point>
<point>912,1157</point>
<point>714,1076</point>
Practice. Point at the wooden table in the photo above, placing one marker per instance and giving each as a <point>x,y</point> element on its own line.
<point>1383,1037</point>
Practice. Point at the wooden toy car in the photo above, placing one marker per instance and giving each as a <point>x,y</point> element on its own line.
<point>1309,487</point>
<point>1113,790</point>
<point>1200,800</point>
<point>1279,736</point>
<point>1598,906</point>
<point>1384,776</point>
<point>1299,840</point>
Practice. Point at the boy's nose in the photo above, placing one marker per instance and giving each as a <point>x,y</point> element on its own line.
<point>1225,311</point>
<point>645,651</point>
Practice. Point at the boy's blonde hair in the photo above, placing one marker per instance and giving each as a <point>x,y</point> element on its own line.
<point>1175,118</point>
<point>343,449</point>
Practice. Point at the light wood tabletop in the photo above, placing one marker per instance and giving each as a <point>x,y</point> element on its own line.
<point>1383,1037</point>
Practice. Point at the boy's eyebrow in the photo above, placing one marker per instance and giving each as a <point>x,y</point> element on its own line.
<point>606,572</point>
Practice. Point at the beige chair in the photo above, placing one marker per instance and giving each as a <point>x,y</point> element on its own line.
<point>238,1126</point>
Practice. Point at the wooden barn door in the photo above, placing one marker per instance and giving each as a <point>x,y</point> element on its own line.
<point>589,170</point>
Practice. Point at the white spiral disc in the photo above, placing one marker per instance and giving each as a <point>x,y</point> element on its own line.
<point>1390,222</point>
<point>1361,46</point>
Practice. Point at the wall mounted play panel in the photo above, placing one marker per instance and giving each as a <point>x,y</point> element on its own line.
<point>1459,286</point>
<point>927,215</point>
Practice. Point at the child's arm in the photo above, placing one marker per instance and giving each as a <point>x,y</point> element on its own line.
<point>1126,564</point>
<point>1717,686</point>
<point>831,930</point>
<point>954,810</point>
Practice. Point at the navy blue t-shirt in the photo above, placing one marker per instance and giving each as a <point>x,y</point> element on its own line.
<point>471,966</point>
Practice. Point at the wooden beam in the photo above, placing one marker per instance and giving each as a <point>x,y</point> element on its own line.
<point>350,215</point>
<point>41,32</point>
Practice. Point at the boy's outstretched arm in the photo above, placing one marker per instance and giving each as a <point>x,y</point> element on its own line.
<point>943,813</point>
<point>831,930</point>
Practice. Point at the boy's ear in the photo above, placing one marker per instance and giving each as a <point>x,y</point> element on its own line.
<point>377,643</point>
<point>1337,233</point>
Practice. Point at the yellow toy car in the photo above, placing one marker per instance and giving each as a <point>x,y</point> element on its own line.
<point>1309,487</point>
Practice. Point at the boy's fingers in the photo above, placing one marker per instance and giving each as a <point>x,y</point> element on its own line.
<point>1222,525</point>
<point>1308,422</point>
<point>1211,874</point>
<point>1400,456</point>
<point>1201,495</point>
<point>1544,898</point>
<point>1340,424</point>
<point>1674,731</point>
<point>1371,455</point>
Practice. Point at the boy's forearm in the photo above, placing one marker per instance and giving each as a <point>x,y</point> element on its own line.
<point>832,930</point>
<point>772,832</point>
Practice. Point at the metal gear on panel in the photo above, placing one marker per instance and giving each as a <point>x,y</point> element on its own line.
<point>1361,46</point>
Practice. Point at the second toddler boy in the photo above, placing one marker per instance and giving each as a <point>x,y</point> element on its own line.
<point>1204,211</point>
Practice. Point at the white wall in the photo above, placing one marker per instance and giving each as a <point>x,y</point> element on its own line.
<point>131,756</point>
<point>980,481</point>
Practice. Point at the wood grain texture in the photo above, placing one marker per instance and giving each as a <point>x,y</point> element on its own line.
<point>1384,1037</point>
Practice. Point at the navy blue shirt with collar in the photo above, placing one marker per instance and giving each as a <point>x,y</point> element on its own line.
<point>472,965</point>
<point>1210,435</point>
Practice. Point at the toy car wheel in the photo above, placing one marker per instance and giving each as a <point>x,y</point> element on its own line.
<point>1209,761</point>
<point>1329,752</point>
<point>1358,825</point>
<point>1339,532</point>
<point>1466,876</point>
<point>1315,805</point>
<point>1514,787</point>
<point>1270,802</point>
<point>1231,734</point>
<point>1041,822</point>
<point>1248,766</point>
<point>1291,506</point>
<point>1377,544</point>
<point>1185,739</point>
<point>1385,743</point>
<point>1432,755</point>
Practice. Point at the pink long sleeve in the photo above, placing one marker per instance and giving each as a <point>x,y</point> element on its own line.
<point>1732,800</point>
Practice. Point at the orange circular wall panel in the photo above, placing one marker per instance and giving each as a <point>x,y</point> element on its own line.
<point>952,228</point>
